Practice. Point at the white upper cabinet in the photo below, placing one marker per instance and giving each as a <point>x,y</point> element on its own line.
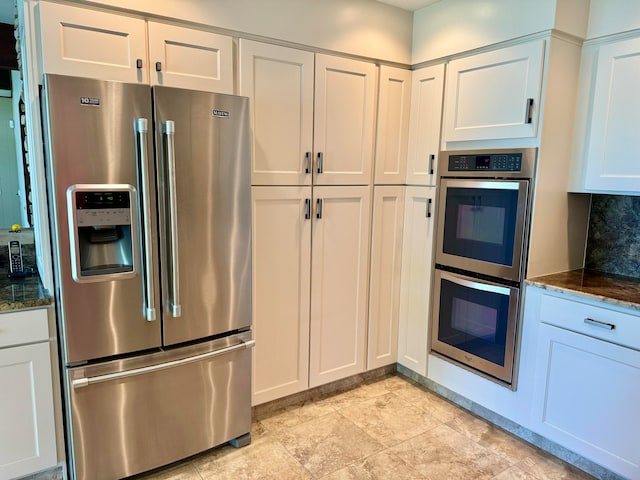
<point>82,42</point>
<point>345,95</point>
<point>87,43</point>
<point>339,288</point>
<point>386,260</point>
<point>427,88</point>
<point>494,95</point>
<point>614,141</point>
<point>186,58</point>
<point>394,101</point>
<point>279,83</point>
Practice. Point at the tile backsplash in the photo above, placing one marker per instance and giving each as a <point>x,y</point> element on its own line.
<point>613,243</point>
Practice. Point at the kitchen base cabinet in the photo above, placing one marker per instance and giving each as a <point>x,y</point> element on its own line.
<point>415,284</point>
<point>27,428</point>
<point>281,269</point>
<point>384,289</point>
<point>586,393</point>
<point>339,287</point>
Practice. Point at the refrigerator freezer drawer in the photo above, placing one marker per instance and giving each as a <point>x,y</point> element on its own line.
<point>143,416</point>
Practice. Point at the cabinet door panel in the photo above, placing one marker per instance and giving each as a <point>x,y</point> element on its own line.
<point>394,100</point>
<point>340,264</point>
<point>280,291</point>
<point>190,58</point>
<point>586,398</point>
<point>27,436</point>
<point>386,260</point>
<point>87,43</point>
<point>279,83</point>
<point>427,86</point>
<point>488,95</point>
<point>612,160</point>
<point>344,120</point>
<point>415,289</point>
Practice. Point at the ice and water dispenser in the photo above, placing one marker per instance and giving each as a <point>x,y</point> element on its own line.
<point>102,230</point>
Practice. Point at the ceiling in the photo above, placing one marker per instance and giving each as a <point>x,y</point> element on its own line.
<point>409,4</point>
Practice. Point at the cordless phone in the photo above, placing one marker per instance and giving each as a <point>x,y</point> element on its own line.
<point>15,257</point>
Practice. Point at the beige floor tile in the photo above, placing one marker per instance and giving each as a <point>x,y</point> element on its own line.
<point>355,396</point>
<point>183,471</point>
<point>431,403</point>
<point>264,459</point>
<point>491,437</point>
<point>546,467</point>
<point>381,466</point>
<point>515,473</point>
<point>442,453</point>
<point>328,444</point>
<point>294,415</point>
<point>389,419</point>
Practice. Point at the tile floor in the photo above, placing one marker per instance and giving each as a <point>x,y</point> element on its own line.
<point>385,429</point>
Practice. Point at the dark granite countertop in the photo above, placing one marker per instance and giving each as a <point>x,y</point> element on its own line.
<point>25,292</point>
<point>613,289</point>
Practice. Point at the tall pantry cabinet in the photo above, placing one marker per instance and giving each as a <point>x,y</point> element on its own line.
<point>311,197</point>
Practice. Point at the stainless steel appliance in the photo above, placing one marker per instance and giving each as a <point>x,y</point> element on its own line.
<point>151,235</point>
<point>481,244</point>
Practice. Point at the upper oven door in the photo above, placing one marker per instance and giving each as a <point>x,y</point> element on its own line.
<point>481,226</point>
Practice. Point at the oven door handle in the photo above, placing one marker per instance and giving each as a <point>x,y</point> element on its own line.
<point>485,287</point>
<point>485,184</point>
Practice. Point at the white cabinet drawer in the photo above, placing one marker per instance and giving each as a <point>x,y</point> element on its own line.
<point>609,325</point>
<point>18,328</point>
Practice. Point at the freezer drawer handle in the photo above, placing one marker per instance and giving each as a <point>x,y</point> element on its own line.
<point>85,382</point>
<point>174,301</point>
<point>142,128</point>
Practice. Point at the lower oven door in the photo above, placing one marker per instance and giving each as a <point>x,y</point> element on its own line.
<point>474,323</point>
<point>133,415</point>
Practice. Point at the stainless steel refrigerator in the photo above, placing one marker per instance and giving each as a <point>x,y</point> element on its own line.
<point>149,192</point>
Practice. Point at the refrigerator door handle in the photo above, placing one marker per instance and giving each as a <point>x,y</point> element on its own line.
<point>142,128</point>
<point>174,301</point>
<point>86,381</point>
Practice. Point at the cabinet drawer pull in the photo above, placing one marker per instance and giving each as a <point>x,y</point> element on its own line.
<point>432,159</point>
<point>158,66</point>
<point>138,63</point>
<point>307,208</point>
<point>319,208</point>
<point>529,118</point>
<point>429,207</point>
<point>307,160</point>
<point>320,168</point>
<point>599,324</point>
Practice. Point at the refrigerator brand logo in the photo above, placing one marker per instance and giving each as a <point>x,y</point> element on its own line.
<point>94,102</point>
<point>219,113</point>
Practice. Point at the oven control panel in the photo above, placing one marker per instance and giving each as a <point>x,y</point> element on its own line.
<point>499,162</point>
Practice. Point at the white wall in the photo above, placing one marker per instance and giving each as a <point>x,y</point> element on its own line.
<point>358,27</point>
<point>453,26</point>
<point>607,17</point>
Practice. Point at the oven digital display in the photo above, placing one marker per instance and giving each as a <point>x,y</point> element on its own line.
<point>495,162</point>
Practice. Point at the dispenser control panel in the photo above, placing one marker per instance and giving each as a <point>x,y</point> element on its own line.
<point>103,208</point>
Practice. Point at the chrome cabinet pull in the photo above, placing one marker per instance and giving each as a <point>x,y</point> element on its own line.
<point>174,301</point>
<point>320,168</point>
<point>307,162</point>
<point>319,208</point>
<point>138,63</point>
<point>599,324</point>
<point>142,128</point>
<point>158,66</point>
<point>429,201</point>
<point>307,208</point>
<point>529,114</point>
<point>432,159</point>
<point>85,382</point>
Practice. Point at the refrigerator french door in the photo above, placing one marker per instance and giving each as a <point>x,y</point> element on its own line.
<point>150,214</point>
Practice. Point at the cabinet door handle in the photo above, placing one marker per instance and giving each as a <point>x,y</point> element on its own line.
<point>429,201</point>
<point>432,159</point>
<point>307,161</point>
<point>599,324</point>
<point>319,208</point>
<point>320,162</point>
<point>158,66</point>
<point>529,118</point>
<point>138,63</point>
<point>307,208</point>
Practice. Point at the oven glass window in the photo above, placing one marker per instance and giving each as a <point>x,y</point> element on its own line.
<point>474,321</point>
<point>480,224</point>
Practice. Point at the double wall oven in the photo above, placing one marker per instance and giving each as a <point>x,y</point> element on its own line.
<point>481,244</point>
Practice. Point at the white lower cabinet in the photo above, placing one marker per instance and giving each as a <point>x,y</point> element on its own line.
<point>308,331</point>
<point>27,426</point>
<point>384,286</point>
<point>415,285</point>
<point>586,387</point>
